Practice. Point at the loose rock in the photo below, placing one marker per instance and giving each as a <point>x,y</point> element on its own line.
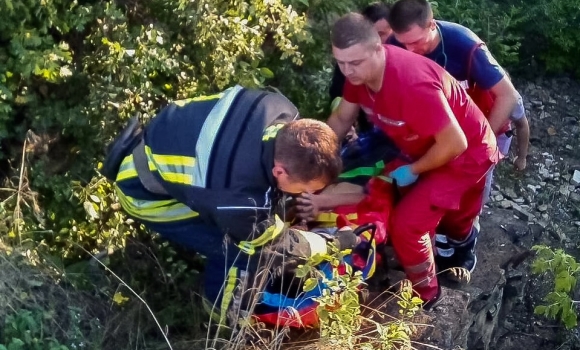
<point>521,213</point>
<point>575,178</point>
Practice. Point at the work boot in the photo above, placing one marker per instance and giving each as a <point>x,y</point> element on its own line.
<point>454,254</point>
<point>434,301</point>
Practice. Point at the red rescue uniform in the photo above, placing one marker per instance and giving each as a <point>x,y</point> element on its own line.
<point>417,100</point>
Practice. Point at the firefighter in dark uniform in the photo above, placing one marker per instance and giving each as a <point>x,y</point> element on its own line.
<point>214,167</point>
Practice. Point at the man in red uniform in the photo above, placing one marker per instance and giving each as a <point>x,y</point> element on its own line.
<point>433,121</point>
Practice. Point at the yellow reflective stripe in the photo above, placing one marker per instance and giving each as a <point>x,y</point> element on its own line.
<point>126,169</point>
<point>172,160</point>
<point>183,179</point>
<point>228,293</point>
<point>155,211</point>
<point>330,217</point>
<point>181,103</point>
<point>271,131</point>
<point>172,168</point>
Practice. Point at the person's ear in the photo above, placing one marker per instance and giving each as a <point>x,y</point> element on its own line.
<point>432,24</point>
<point>278,171</point>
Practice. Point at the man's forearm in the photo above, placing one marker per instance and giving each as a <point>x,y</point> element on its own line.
<point>433,159</point>
<point>331,201</point>
<point>500,112</point>
<point>523,137</point>
<point>339,126</point>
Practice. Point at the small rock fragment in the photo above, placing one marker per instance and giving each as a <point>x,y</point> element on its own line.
<point>575,178</point>
<point>510,193</point>
<point>505,204</point>
<point>521,213</point>
<point>543,207</point>
<point>564,191</point>
<point>519,200</point>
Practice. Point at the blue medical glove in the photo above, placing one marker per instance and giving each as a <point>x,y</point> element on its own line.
<point>404,176</point>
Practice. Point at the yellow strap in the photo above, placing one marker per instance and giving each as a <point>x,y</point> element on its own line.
<point>249,247</point>
<point>228,293</point>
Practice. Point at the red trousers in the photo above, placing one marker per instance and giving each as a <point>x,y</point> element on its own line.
<point>445,200</point>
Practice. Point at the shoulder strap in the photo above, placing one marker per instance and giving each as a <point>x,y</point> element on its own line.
<point>146,177</point>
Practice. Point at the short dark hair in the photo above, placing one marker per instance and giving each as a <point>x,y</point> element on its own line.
<point>351,29</point>
<point>376,11</point>
<point>405,13</point>
<point>309,150</point>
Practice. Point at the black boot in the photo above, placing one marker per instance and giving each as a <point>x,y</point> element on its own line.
<point>458,254</point>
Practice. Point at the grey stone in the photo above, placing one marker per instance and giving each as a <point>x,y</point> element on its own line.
<point>575,180</point>
<point>543,223</point>
<point>498,198</point>
<point>536,103</point>
<point>521,213</point>
<point>574,196</point>
<point>505,204</point>
<point>564,191</point>
<point>510,193</point>
<point>519,200</point>
<point>543,207</point>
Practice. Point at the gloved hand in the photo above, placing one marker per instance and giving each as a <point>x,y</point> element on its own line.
<point>404,176</point>
<point>344,238</point>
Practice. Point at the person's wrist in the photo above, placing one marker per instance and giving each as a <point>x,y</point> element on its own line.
<point>413,169</point>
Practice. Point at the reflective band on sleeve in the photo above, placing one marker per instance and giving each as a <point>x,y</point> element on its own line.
<point>126,169</point>
<point>172,168</point>
<point>155,211</point>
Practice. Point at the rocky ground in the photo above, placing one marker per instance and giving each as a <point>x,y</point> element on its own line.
<point>538,206</point>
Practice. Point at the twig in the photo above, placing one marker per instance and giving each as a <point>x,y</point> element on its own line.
<point>17,213</point>
<point>134,293</point>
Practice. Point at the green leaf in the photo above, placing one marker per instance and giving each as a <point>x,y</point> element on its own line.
<point>266,73</point>
<point>540,310</point>
<point>310,284</point>
<point>16,344</point>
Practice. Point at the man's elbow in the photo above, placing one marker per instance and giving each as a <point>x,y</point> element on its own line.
<point>460,146</point>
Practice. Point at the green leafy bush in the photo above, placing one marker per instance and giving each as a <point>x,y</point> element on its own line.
<point>565,270</point>
<point>494,23</point>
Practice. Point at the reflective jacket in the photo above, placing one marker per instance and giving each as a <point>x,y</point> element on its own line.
<point>214,157</point>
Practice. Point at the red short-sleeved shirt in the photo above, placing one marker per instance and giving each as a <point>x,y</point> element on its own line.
<point>417,100</point>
